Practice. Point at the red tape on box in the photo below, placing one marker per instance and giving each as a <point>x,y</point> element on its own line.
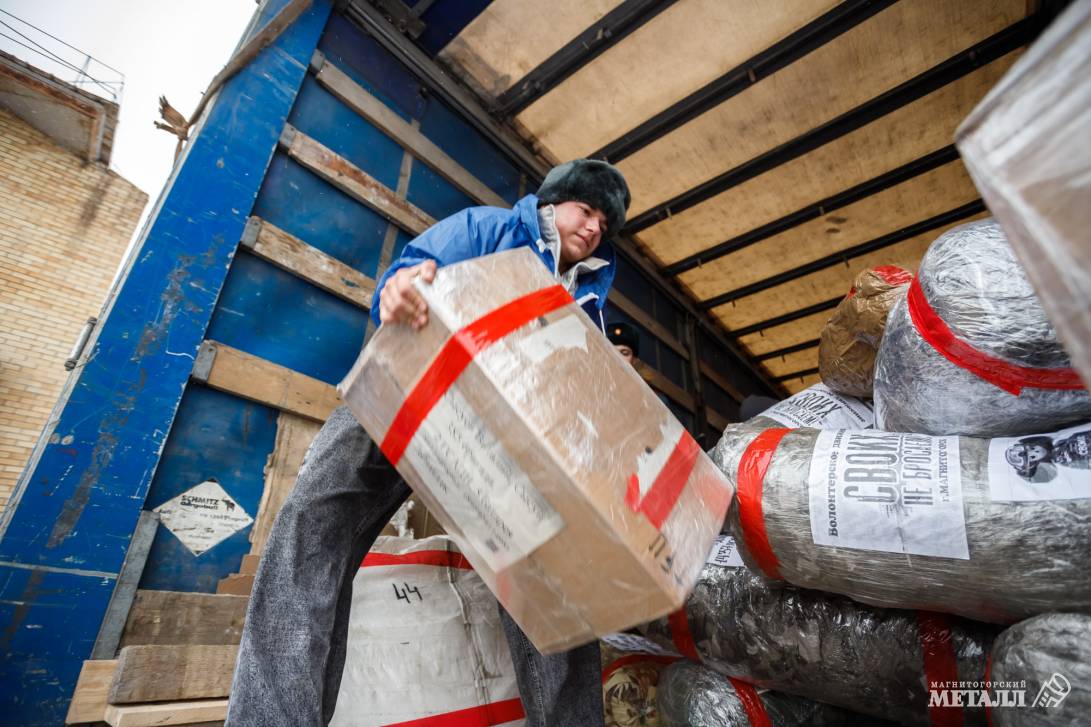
<point>751,703</point>
<point>682,636</point>
<point>661,497</point>
<point>441,558</point>
<point>1010,377</point>
<point>939,664</point>
<point>891,275</point>
<point>457,354</point>
<point>486,715</point>
<point>751,480</point>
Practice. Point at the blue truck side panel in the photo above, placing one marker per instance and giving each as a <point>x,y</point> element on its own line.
<point>135,432</point>
<point>68,534</point>
<point>216,437</point>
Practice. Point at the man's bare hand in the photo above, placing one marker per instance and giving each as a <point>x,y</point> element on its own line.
<point>399,301</point>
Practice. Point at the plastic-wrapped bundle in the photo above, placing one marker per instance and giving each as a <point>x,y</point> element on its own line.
<point>850,340</point>
<point>826,648</point>
<point>690,695</point>
<point>996,530</point>
<point>818,407</point>
<point>1052,654</point>
<point>969,350</point>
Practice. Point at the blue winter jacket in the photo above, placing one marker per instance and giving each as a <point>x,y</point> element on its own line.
<point>480,231</point>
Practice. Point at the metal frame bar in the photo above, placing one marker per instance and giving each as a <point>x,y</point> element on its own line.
<point>842,199</point>
<point>784,52</point>
<point>813,343</point>
<point>891,238</point>
<point>787,317</point>
<point>466,104</point>
<point>952,69</point>
<point>578,52</point>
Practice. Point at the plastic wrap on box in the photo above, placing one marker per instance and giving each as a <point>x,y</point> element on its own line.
<point>690,695</point>
<point>1052,655</point>
<point>969,350</point>
<point>1025,145</point>
<point>850,340</point>
<point>819,407</point>
<point>629,685</point>
<point>424,641</point>
<point>997,530</point>
<point>579,498</point>
<point>825,647</point>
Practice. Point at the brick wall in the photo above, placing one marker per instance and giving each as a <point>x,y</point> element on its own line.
<point>64,225</point>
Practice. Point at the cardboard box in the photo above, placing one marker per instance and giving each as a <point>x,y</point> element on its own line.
<point>1026,147</point>
<point>575,493</point>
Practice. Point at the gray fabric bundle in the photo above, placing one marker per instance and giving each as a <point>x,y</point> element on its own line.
<point>913,521</point>
<point>1052,654</point>
<point>972,280</point>
<point>690,695</point>
<point>822,647</point>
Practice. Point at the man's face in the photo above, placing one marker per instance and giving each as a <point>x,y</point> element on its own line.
<point>580,227</point>
<point>626,352</point>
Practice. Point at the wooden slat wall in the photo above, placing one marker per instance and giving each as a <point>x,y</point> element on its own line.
<point>693,42</point>
<point>898,138</point>
<point>898,43</point>
<point>917,199</point>
<point>824,284</point>
<point>495,58</point>
<point>294,436</point>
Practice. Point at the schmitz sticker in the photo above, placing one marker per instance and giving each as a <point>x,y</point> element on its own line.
<point>1053,466</point>
<point>480,486</point>
<point>725,553</point>
<point>900,493</point>
<point>820,408</point>
<point>203,516</point>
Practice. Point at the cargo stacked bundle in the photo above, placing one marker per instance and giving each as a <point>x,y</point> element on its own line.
<point>923,561</point>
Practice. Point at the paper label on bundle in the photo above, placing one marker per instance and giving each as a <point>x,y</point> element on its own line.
<point>820,408</point>
<point>637,643</point>
<point>725,553</point>
<point>899,493</point>
<point>490,498</point>
<point>1054,466</point>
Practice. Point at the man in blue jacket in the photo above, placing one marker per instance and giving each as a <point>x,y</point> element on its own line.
<point>293,644</point>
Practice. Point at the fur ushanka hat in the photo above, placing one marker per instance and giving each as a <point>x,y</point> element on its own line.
<point>594,182</point>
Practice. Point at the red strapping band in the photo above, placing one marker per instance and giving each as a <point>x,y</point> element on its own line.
<point>751,702</point>
<point>682,636</point>
<point>893,275</point>
<point>939,663</point>
<point>661,497</point>
<point>751,480</point>
<point>457,354</point>
<point>635,659</point>
<point>486,715</point>
<point>1010,377</point>
<point>442,558</point>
